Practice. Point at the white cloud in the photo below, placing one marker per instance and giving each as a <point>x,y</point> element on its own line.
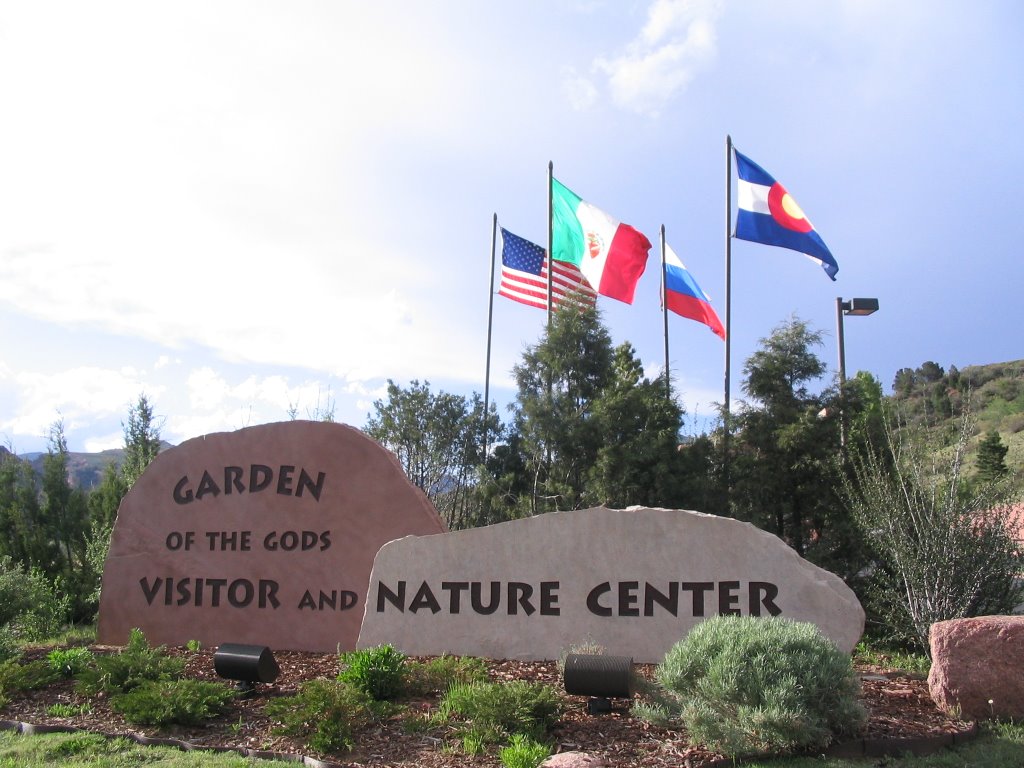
<point>676,43</point>
<point>75,396</point>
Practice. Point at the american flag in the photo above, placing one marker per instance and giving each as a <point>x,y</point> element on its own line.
<point>524,276</point>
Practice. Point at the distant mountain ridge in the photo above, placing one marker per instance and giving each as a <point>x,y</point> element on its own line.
<point>85,470</point>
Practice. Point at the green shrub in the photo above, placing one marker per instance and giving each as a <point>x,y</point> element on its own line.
<point>187,702</point>
<point>69,661</point>
<point>134,665</point>
<point>326,714</point>
<point>748,685</point>
<point>17,676</point>
<point>505,709</point>
<point>31,607</point>
<point>438,674</point>
<point>379,671</point>
<point>523,752</point>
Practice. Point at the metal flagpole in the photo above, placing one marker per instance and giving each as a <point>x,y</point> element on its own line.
<point>664,312</point>
<point>490,316</point>
<point>727,426</point>
<point>551,238</point>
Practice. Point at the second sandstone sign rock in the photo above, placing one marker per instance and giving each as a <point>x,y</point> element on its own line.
<point>634,581</point>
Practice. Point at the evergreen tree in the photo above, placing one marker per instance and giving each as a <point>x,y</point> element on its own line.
<point>991,457</point>
<point>638,461</point>
<point>787,447</point>
<point>22,536</point>
<point>141,440</point>
<point>559,381</point>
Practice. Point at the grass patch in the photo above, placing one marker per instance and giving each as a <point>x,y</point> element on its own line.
<point>904,661</point>
<point>88,750</point>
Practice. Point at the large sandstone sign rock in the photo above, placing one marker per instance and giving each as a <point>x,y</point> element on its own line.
<point>265,536</point>
<point>634,581</point>
<point>977,667</point>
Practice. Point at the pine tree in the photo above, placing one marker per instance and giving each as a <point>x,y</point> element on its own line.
<point>991,457</point>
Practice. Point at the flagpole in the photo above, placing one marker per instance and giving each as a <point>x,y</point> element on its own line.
<point>551,239</point>
<point>664,313</point>
<point>490,316</point>
<point>726,424</point>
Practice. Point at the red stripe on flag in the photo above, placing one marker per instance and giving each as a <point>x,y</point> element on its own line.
<point>532,290</point>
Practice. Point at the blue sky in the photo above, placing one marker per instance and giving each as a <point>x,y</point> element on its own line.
<point>239,208</point>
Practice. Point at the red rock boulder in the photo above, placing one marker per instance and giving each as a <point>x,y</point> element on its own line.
<point>978,667</point>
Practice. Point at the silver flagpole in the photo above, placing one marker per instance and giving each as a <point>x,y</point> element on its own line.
<point>490,317</point>
<point>664,313</point>
<point>551,239</point>
<point>727,426</point>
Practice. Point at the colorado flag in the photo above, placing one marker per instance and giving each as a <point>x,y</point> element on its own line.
<point>768,214</point>
<point>684,297</point>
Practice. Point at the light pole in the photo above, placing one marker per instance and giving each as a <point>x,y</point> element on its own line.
<point>857,308</point>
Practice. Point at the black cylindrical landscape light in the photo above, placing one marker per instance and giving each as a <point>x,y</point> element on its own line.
<point>246,664</point>
<point>600,677</point>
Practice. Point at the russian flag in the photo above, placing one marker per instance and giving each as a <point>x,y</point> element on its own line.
<point>684,297</point>
<point>768,214</point>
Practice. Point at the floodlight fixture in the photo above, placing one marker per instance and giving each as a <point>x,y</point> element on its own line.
<point>246,664</point>
<point>600,677</point>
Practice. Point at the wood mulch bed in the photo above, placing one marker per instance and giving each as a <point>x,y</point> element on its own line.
<point>901,713</point>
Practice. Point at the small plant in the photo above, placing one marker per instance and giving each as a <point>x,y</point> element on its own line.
<point>505,708</point>
<point>438,674</point>
<point>523,752</point>
<point>326,714</point>
<point>379,671</point>
<point>474,742</point>
<point>748,685</point>
<point>61,709</point>
<point>915,663</point>
<point>136,664</point>
<point>69,661</point>
<point>193,646</point>
<point>15,676</point>
<point>187,702</point>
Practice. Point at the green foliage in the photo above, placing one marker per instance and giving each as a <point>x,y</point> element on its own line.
<point>943,548</point>
<point>134,665</point>
<point>326,714</point>
<point>61,709</point>
<point>475,741</point>
<point>31,607</point>
<point>503,709</point>
<point>193,646</point>
<point>915,663</point>
<point>592,429</point>
<point>69,661</point>
<point>379,671</point>
<point>755,686</point>
<point>991,457</point>
<point>438,439</point>
<point>523,752</point>
<point>186,702</point>
<point>141,440</point>
<point>786,445</point>
<point>437,675</point>
<point>26,676</point>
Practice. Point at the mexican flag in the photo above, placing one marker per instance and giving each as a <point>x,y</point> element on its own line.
<point>611,255</point>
